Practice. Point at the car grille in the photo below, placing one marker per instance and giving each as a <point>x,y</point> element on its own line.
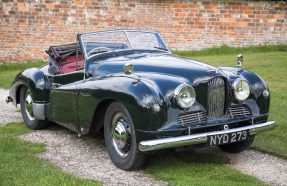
<point>216,97</point>
<point>191,118</point>
<point>239,111</point>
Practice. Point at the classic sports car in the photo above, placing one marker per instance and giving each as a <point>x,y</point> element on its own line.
<point>128,83</point>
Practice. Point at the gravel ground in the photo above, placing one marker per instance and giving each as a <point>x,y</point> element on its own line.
<point>88,158</point>
<point>267,168</point>
<point>7,111</point>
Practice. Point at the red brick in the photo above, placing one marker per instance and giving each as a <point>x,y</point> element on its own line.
<point>247,11</point>
<point>251,24</point>
<point>29,28</point>
<point>176,6</point>
<point>178,10</point>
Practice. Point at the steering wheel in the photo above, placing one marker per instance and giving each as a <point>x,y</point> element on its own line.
<point>99,50</point>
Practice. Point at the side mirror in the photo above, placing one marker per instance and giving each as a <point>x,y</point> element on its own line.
<point>239,60</point>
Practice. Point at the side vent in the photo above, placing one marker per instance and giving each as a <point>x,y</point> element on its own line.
<point>239,111</point>
<point>191,118</point>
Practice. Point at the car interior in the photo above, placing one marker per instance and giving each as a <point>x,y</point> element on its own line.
<point>63,57</point>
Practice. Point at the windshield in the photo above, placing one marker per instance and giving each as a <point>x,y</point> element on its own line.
<point>99,42</point>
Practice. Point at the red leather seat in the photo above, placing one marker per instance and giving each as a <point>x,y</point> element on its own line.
<point>69,64</point>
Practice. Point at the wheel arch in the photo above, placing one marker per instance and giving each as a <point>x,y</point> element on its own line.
<point>35,80</point>
<point>136,96</point>
<point>99,115</point>
<point>38,83</point>
<point>18,91</point>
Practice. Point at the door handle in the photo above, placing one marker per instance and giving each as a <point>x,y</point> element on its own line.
<point>56,85</point>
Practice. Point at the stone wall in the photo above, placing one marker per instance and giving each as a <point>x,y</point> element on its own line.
<point>28,27</point>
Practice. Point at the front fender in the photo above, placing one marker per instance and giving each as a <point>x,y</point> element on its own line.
<point>135,95</point>
<point>257,86</point>
<point>35,80</point>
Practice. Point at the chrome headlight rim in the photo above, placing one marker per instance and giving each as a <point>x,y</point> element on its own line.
<point>235,88</point>
<point>177,95</point>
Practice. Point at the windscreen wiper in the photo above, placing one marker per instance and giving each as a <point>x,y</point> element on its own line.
<point>161,48</point>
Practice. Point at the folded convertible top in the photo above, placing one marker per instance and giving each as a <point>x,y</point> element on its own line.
<point>61,52</point>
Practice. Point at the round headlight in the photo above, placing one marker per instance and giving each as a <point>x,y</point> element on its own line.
<point>184,95</point>
<point>241,89</point>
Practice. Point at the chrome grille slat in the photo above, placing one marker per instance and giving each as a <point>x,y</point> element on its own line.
<point>216,97</point>
<point>239,111</point>
<point>188,120</point>
<point>192,118</point>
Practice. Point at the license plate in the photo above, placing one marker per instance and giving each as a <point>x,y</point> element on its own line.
<point>221,139</point>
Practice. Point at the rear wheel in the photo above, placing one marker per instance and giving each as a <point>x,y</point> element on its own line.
<point>120,138</point>
<point>238,146</point>
<point>26,103</point>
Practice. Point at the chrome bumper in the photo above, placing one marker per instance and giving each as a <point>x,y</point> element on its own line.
<point>194,139</point>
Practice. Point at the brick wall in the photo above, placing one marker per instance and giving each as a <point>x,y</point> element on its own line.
<point>28,27</point>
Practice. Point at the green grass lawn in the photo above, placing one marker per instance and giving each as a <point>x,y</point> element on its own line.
<point>8,71</point>
<point>178,168</point>
<point>196,168</point>
<point>20,166</point>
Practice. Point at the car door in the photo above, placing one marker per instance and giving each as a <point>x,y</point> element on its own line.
<point>64,98</point>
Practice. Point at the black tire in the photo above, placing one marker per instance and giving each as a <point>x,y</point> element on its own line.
<point>27,110</point>
<point>238,147</point>
<point>120,138</point>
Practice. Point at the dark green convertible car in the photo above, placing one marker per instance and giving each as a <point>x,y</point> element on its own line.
<point>129,85</point>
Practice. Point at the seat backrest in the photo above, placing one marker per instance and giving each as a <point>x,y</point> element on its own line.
<point>69,64</point>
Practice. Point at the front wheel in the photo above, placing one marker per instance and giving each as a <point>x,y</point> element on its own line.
<point>26,103</point>
<point>120,138</point>
<point>238,146</point>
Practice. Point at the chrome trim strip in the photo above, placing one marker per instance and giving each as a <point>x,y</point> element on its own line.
<point>41,111</point>
<point>194,139</point>
<point>127,38</point>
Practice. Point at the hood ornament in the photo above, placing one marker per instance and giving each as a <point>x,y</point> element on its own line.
<point>239,60</point>
<point>128,68</point>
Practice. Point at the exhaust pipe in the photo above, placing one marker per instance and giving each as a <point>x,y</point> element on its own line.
<point>9,99</point>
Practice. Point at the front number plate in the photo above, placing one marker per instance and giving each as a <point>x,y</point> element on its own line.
<point>221,139</point>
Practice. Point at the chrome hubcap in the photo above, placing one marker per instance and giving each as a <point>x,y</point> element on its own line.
<point>120,132</point>
<point>29,105</point>
<point>120,135</point>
